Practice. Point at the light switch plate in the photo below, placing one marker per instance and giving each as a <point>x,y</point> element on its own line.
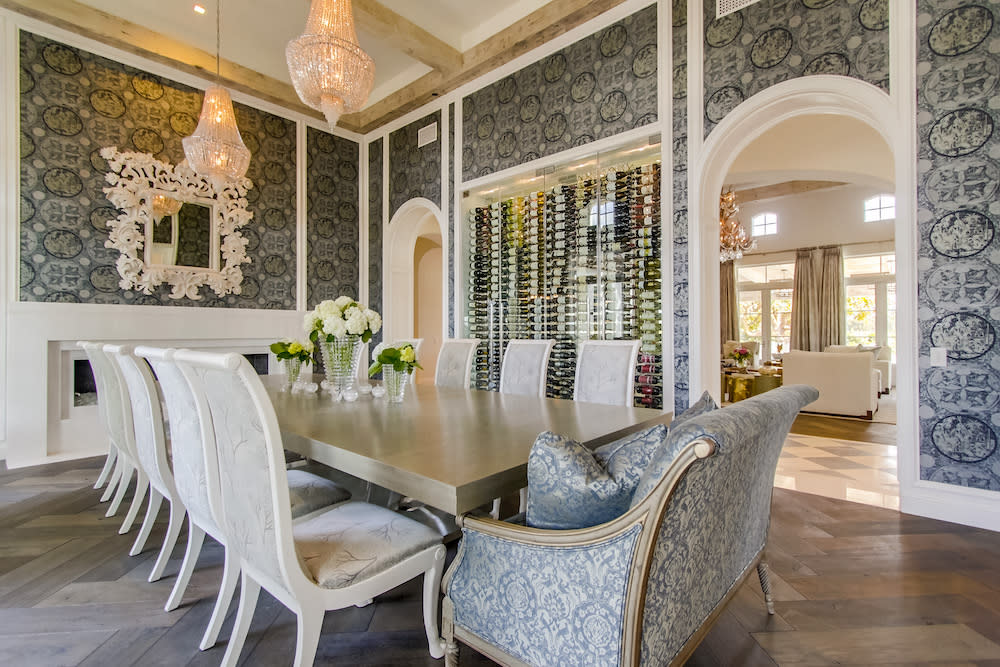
<point>939,356</point>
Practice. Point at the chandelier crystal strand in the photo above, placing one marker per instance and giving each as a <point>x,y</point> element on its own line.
<point>733,237</point>
<point>330,71</point>
<point>216,148</point>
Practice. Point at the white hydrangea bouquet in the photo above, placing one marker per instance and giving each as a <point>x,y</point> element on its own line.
<point>339,328</point>
<point>341,317</point>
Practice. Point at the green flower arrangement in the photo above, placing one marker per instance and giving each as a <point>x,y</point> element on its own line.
<point>401,358</point>
<point>292,349</point>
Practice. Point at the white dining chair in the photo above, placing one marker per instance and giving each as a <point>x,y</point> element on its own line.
<point>194,465</point>
<point>416,343</point>
<point>454,363</point>
<point>119,422</point>
<point>334,558</point>
<point>111,471</point>
<point>605,371</point>
<point>524,367</point>
<point>151,453</point>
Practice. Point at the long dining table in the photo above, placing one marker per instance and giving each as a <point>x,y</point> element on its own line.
<point>452,449</point>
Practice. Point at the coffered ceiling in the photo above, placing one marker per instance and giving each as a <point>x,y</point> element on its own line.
<point>421,48</point>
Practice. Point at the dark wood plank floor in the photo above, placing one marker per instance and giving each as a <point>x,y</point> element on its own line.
<point>854,585</point>
<point>845,429</point>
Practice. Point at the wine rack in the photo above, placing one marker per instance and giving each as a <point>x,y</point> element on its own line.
<point>577,261</point>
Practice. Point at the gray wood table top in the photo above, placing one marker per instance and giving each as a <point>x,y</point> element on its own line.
<point>450,448</point>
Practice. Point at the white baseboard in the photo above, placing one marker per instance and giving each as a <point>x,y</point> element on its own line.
<point>970,507</point>
<point>53,458</point>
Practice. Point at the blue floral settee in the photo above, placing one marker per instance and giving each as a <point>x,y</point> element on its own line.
<point>644,587</point>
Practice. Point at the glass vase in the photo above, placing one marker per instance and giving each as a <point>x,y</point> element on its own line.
<point>395,384</point>
<point>340,359</point>
<point>292,368</point>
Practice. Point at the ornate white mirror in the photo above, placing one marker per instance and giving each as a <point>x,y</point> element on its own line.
<point>176,227</point>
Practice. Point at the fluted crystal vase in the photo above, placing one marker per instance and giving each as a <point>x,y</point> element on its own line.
<point>394,383</point>
<point>340,359</point>
<point>292,369</point>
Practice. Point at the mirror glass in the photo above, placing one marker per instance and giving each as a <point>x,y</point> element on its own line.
<point>181,234</point>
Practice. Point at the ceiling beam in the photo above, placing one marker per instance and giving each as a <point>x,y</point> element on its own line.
<point>783,190</point>
<point>108,29</point>
<point>407,36</point>
<point>553,19</point>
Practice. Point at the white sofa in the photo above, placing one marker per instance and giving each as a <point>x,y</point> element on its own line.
<point>882,363</point>
<point>848,383</point>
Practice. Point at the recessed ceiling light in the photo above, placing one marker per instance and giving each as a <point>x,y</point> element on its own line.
<point>199,9</point>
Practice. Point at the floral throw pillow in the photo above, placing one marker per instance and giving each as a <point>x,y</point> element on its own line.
<point>570,486</point>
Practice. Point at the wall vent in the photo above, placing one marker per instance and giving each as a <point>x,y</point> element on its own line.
<point>724,7</point>
<point>427,135</point>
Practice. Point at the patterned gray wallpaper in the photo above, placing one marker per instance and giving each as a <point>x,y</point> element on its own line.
<point>414,172</point>
<point>451,221</point>
<point>332,217</point>
<point>73,103</point>
<point>958,71</point>
<point>680,222</point>
<point>375,221</point>
<point>598,87</point>
<point>775,40</point>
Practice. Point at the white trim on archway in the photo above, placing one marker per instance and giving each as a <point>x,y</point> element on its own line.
<point>803,96</point>
<point>408,223</point>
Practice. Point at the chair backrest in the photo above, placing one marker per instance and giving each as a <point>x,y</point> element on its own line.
<point>454,364</point>
<point>524,367</point>
<point>102,399</point>
<point>118,409</point>
<point>715,523</point>
<point>256,513</point>
<point>195,467</point>
<point>605,371</point>
<point>147,418</point>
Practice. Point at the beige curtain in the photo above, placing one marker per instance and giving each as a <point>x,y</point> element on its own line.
<point>729,318</point>
<point>818,299</point>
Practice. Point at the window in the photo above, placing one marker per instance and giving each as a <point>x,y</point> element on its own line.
<point>870,300</point>
<point>765,306</point>
<point>764,224</point>
<point>882,207</point>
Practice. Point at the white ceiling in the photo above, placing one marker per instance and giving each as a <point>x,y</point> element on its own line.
<point>255,32</point>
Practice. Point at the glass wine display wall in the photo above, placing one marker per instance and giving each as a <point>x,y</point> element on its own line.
<point>575,262</point>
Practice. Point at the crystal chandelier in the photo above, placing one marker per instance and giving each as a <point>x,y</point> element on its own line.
<point>733,237</point>
<point>216,147</point>
<point>164,206</point>
<point>329,70</point>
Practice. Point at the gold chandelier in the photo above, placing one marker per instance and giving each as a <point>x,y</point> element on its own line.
<point>216,147</point>
<point>733,237</point>
<point>330,71</point>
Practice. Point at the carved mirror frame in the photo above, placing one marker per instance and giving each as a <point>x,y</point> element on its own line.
<point>135,178</point>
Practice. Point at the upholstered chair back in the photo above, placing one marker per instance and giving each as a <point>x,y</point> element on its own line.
<point>454,364</point>
<point>256,513</point>
<point>605,371</point>
<point>147,417</point>
<point>715,524</point>
<point>191,467</point>
<point>524,367</point>
<point>118,409</point>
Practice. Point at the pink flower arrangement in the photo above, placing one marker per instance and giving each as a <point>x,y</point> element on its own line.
<point>741,354</point>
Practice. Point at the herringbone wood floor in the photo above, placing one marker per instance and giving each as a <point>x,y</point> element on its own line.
<point>854,584</point>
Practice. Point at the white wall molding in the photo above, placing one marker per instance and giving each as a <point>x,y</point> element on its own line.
<point>957,504</point>
<point>9,176</point>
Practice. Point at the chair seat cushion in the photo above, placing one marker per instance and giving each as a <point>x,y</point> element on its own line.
<point>571,487</point>
<point>356,541</point>
<point>309,492</point>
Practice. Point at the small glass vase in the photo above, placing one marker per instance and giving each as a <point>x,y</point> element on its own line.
<point>292,368</point>
<point>395,384</point>
<point>340,359</point>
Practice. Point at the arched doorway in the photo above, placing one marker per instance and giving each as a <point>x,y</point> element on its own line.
<point>414,290</point>
<point>812,95</point>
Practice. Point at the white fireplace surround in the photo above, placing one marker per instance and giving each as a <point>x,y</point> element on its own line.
<point>43,425</point>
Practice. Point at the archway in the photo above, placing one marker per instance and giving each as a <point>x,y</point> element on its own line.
<point>417,223</point>
<point>812,95</point>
